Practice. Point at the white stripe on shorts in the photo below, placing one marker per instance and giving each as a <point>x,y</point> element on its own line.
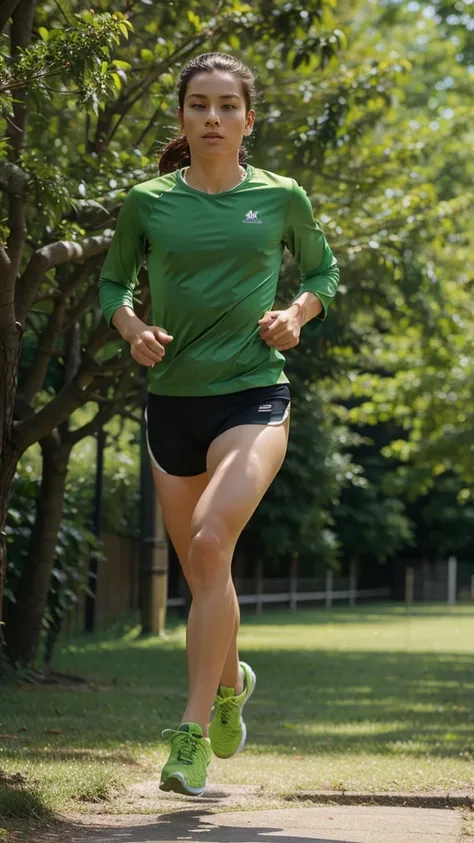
<point>285,416</point>
<point>155,463</point>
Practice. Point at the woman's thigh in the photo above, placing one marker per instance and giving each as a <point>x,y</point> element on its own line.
<point>241,464</point>
<point>178,498</point>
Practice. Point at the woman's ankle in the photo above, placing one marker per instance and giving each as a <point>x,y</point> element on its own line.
<point>237,682</point>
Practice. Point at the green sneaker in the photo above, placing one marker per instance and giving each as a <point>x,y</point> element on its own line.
<point>227,729</point>
<point>186,768</point>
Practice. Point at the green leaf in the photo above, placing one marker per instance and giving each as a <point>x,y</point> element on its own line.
<point>122,65</point>
<point>117,81</point>
<point>44,33</point>
<point>124,30</point>
<point>195,20</point>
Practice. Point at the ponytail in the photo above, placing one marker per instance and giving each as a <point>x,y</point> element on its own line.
<point>177,154</point>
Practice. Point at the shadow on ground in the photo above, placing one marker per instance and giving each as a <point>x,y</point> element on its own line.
<point>192,825</point>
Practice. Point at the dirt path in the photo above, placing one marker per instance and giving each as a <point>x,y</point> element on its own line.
<point>243,814</point>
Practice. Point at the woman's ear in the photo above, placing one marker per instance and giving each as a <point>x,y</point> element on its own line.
<point>249,123</point>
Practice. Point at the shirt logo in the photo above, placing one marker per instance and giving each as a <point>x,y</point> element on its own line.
<point>264,407</point>
<point>251,216</point>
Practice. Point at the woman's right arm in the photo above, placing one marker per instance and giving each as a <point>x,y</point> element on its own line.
<point>117,282</point>
<point>147,342</point>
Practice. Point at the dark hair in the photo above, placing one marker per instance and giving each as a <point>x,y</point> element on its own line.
<point>176,154</point>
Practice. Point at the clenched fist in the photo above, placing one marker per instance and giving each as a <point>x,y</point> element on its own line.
<point>281,328</point>
<point>148,345</point>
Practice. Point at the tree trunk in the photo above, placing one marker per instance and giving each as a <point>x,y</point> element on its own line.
<point>24,618</point>
<point>10,337</point>
<point>8,463</point>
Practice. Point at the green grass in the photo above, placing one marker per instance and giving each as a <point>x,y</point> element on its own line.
<point>365,699</point>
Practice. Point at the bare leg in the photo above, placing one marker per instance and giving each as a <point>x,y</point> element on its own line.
<point>178,500</point>
<point>231,675</point>
<point>242,463</point>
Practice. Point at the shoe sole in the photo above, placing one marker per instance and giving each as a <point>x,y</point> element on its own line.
<point>244,727</point>
<point>177,784</point>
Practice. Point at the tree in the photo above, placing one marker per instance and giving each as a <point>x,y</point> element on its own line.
<point>24,263</point>
<point>414,378</point>
<point>58,276</point>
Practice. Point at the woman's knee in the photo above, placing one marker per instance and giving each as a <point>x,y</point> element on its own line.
<point>210,552</point>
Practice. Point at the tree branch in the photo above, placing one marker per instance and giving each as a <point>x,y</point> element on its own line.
<point>84,303</point>
<point>20,38</point>
<point>133,93</point>
<point>77,392</point>
<point>45,259</point>
<point>104,414</point>
<point>148,126</point>
<point>73,352</point>
<point>63,13</point>
<point>7,7</point>
<point>70,397</point>
<point>4,260</point>
<point>13,180</point>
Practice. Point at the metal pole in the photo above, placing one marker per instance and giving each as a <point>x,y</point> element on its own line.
<point>153,588</point>
<point>90,603</point>
<point>353,583</point>
<point>409,586</point>
<point>329,584</point>
<point>452,580</point>
<point>293,582</point>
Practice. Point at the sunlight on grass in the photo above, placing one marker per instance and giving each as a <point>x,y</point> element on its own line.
<point>366,699</point>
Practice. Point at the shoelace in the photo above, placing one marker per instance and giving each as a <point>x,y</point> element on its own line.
<point>188,745</point>
<point>224,707</point>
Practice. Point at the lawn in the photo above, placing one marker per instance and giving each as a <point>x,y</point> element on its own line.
<point>367,699</point>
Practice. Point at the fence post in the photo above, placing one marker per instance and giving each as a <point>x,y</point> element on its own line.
<point>452,580</point>
<point>153,591</point>
<point>293,583</point>
<point>259,585</point>
<point>409,586</point>
<point>427,590</point>
<point>353,583</point>
<point>328,589</point>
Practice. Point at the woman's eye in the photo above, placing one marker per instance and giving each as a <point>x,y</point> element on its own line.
<point>226,106</point>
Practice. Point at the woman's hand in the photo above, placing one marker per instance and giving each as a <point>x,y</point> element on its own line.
<point>281,329</point>
<point>147,345</point>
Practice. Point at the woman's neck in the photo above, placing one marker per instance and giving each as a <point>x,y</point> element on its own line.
<point>214,176</point>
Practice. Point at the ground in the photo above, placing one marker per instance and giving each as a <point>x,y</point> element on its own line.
<point>371,700</point>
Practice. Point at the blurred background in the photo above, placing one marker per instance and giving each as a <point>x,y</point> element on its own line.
<point>369,106</point>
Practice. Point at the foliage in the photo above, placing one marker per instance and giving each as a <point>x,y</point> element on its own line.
<point>80,50</point>
<point>121,477</point>
<point>367,105</point>
<point>75,543</point>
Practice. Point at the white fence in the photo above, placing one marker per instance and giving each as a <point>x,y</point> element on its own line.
<point>441,581</point>
<point>293,590</point>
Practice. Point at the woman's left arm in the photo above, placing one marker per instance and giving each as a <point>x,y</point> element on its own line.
<point>319,276</point>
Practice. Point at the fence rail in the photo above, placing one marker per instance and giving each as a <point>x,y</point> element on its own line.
<point>324,591</point>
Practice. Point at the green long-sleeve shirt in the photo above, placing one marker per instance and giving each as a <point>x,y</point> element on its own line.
<point>213,264</point>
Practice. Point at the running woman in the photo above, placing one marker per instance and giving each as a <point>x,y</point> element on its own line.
<point>213,233</point>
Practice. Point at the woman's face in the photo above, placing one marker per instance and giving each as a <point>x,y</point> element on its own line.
<point>214,117</point>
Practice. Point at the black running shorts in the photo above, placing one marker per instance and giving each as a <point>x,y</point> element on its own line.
<point>181,429</point>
